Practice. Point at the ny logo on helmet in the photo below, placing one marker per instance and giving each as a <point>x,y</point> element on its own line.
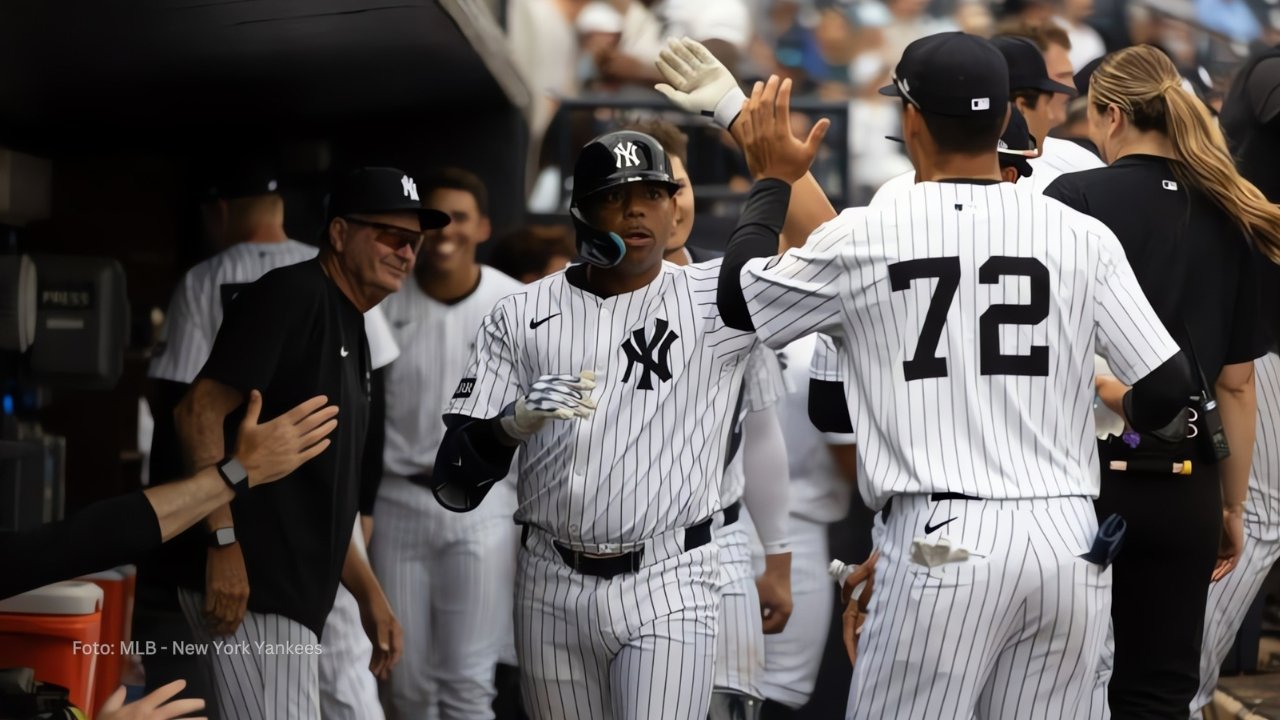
<point>410,187</point>
<point>628,155</point>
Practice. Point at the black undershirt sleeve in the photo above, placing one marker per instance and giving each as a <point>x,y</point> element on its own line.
<point>1156,399</point>
<point>104,535</point>
<point>757,233</point>
<point>828,408</point>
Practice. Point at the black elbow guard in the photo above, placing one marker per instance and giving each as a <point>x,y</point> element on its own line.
<point>469,462</point>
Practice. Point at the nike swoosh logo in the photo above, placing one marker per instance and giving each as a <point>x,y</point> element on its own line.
<point>458,462</point>
<point>533,324</point>
<point>343,352</point>
<point>930,528</point>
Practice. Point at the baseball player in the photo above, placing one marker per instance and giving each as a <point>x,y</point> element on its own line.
<point>617,588</point>
<point>252,213</point>
<point>970,333</point>
<point>448,575</point>
<point>1036,97</point>
<point>755,477</point>
<point>298,328</point>
<point>821,468</point>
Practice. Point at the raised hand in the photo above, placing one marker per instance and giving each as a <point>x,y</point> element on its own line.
<point>763,130</point>
<point>699,83</point>
<point>274,449</point>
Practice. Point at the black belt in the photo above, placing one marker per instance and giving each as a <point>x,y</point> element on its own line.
<point>935,497</point>
<point>608,566</point>
<point>732,512</point>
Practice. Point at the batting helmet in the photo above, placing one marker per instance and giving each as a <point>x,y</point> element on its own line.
<point>611,160</point>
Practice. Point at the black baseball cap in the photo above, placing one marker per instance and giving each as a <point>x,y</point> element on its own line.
<point>1016,145</point>
<point>1027,70</point>
<point>381,190</point>
<point>953,74</point>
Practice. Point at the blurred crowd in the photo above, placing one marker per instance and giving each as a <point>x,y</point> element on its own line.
<point>586,56</point>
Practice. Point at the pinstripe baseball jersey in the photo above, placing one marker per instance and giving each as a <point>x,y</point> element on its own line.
<point>762,388</point>
<point>968,314</point>
<point>435,340</point>
<point>818,492</point>
<point>195,311</point>
<point>668,373</point>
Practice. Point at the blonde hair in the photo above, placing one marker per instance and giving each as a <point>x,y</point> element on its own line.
<point>1144,85</point>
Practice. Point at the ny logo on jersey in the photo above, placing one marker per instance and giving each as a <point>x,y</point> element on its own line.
<point>641,352</point>
<point>628,156</point>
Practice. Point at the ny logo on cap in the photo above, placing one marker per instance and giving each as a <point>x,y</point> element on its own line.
<point>410,188</point>
<point>980,104</point>
<point>627,156</point>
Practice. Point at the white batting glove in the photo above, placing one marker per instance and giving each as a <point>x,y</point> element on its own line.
<point>699,83</point>
<point>552,397</point>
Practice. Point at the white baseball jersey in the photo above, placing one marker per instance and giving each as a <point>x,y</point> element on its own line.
<point>1058,157</point>
<point>668,373</point>
<point>762,387</point>
<point>435,336</point>
<point>969,314</point>
<point>195,311</point>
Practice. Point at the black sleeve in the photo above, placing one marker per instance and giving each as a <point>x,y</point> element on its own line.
<point>265,323</point>
<point>756,235</point>
<point>1156,399</point>
<point>165,460</point>
<point>104,535</point>
<point>1264,91</point>
<point>470,460</point>
<point>374,442</point>
<point>828,407</point>
<point>1249,339</point>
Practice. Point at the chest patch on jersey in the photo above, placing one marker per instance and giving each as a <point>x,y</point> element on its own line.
<point>649,354</point>
<point>465,388</point>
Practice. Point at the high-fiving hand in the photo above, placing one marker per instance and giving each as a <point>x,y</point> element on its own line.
<point>763,131</point>
<point>699,83</point>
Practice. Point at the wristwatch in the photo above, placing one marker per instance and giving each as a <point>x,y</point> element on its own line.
<point>222,537</point>
<point>234,475</point>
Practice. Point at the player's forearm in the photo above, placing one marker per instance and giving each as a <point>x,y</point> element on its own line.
<point>1238,407</point>
<point>756,235</point>
<point>809,208</point>
<point>357,574</point>
<point>179,505</point>
<point>199,419</point>
<point>778,565</point>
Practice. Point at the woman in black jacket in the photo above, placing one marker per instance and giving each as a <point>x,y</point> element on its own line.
<point>1194,232</point>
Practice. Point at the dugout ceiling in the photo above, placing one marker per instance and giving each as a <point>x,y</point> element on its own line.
<point>96,74</point>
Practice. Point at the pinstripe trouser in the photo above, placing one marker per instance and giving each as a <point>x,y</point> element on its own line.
<point>740,642</point>
<point>448,576</point>
<point>632,647</point>
<point>252,681</point>
<point>348,691</point>
<point>1013,631</point>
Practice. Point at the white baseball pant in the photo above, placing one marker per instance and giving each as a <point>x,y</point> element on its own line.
<point>740,642</point>
<point>348,691</point>
<point>253,684</point>
<point>1004,620</point>
<point>638,646</point>
<point>449,578</point>
<point>793,656</point>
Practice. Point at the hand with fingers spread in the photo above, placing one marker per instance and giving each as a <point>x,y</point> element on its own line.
<point>763,130</point>
<point>699,83</point>
<point>274,449</point>
<point>155,706</point>
<point>855,612</point>
<point>552,397</point>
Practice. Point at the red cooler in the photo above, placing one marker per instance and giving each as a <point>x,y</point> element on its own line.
<point>56,630</point>
<point>115,605</point>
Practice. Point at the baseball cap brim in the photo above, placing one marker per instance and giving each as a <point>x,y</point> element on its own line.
<point>890,90</point>
<point>1052,86</point>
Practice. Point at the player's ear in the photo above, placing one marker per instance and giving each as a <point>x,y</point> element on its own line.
<point>1009,174</point>
<point>486,229</point>
<point>338,234</point>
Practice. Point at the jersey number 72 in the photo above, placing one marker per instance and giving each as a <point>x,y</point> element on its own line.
<point>926,364</point>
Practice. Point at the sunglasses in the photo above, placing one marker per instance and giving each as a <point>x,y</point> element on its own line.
<point>392,236</point>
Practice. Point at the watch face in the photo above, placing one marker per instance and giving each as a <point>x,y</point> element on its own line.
<point>224,536</point>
